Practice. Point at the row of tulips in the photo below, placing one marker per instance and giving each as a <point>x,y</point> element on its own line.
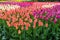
<point>22,4</point>
<point>31,22</point>
<point>52,13</point>
<point>18,16</point>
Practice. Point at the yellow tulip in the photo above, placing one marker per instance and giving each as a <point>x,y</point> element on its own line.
<point>19,0</point>
<point>22,0</point>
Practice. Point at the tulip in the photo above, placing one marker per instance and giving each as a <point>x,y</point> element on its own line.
<point>46,24</point>
<point>20,14</point>
<point>27,25</point>
<point>34,24</point>
<point>22,27</point>
<point>8,23</point>
<point>40,23</point>
<point>58,16</point>
<point>19,31</point>
<point>26,28</point>
<point>55,20</point>
<point>15,25</point>
<point>30,20</point>
<point>58,12</point>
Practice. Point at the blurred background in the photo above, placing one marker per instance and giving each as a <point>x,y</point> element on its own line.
<point>34,0</point>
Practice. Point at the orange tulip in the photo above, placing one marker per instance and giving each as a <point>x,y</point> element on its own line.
<point>24,23</point>
<point>26,19</point>
<point>19,31</point>
<point>5,17</point>
<point>35,20</point>
<point>46,24</point>
<point>17,10</point>
<point>40,23</point>
<point>34,26</point>
<point>1,14</point>
<point>22,27</point>
<point>0,11</point>
<point>14,19</point>
<point>21,22</point>
<point>13,11</point>
<point>8,18</point>
<point>34,23</point>
<point>30,20</point>
<point>27,24</point>
<point>26,28</point>
<point>16,25</point>
<point>8,23</point>
<point>9,12</point>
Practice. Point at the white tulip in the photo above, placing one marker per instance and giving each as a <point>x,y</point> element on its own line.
<point>8,7</point>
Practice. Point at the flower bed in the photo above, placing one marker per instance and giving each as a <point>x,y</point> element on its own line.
<point>22,4</point>
<point>39,21</point>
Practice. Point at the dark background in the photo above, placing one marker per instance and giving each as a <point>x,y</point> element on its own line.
<point>47,0</point>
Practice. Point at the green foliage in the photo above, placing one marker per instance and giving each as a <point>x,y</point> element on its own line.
<point>52,32</point>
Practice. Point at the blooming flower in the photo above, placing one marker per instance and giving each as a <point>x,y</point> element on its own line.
<point>27,24</point>
<point>18,15</point>
<point>30,20</point>
<point>46,24</point>
<point>19,31</point>
<point>8,23</point>
<point>48,5</point>
<point>34,24</point>
<point>22,27</point>
<point>55,20</point>
<point>15,25</point>
<point>40,23</point>
<point>21,22</point>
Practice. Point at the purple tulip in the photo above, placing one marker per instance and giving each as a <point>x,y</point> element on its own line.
<point>57,7</point>
<point>34,13</point>
<point>46,18</point>
<point>55,20</point>
<point>58,12</point>
<point>50,12</point>
<point>58,16</point>
<point>41,16</point>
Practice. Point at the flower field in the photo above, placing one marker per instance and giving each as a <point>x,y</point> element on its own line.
<point>32,21</point>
